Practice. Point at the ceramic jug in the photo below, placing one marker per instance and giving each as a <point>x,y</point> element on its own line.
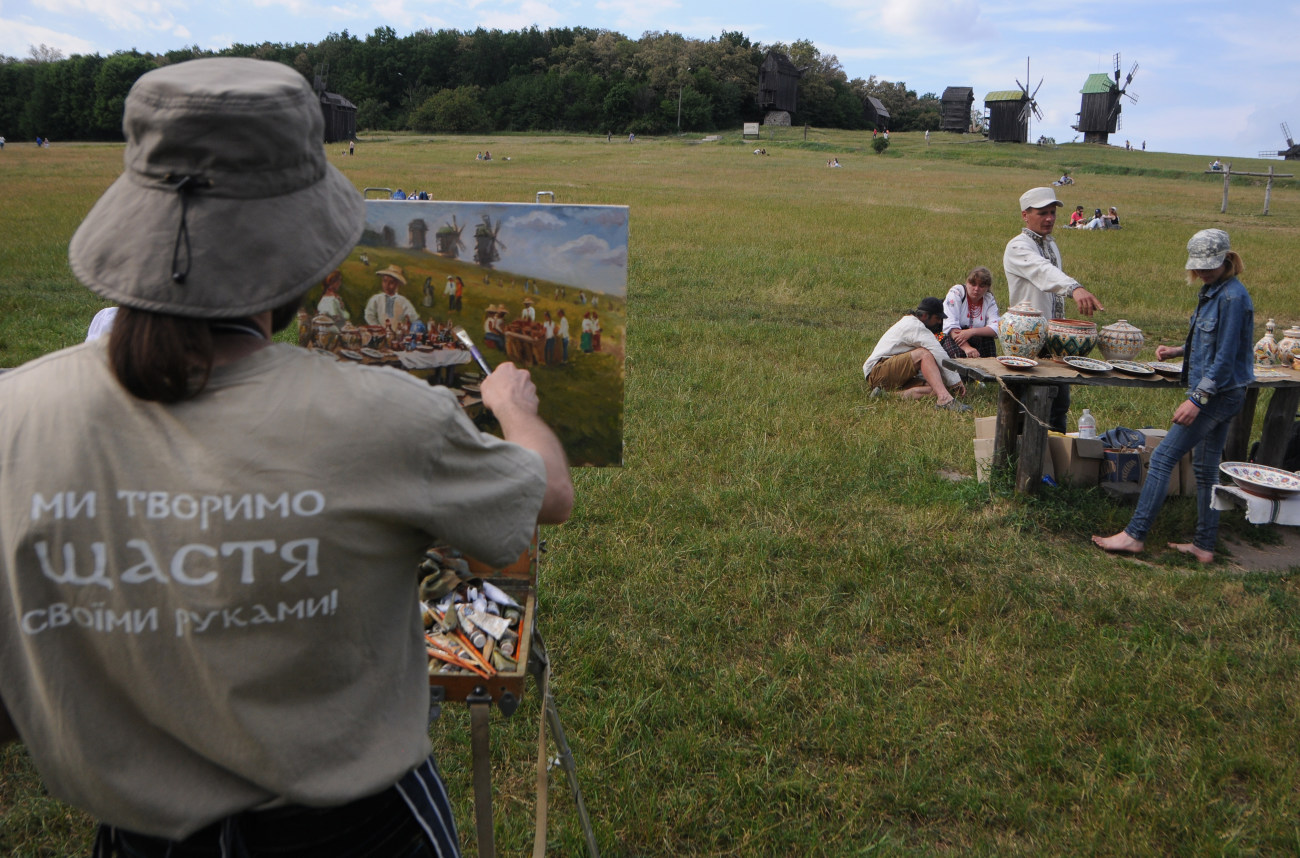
<point>1267,354</point>
<point>1022,331</point>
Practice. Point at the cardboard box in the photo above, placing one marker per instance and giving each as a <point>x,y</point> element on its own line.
<point>1076,460</point>
<point>1154,437</point>
<point>984,458</point>
<point>1122,466</point>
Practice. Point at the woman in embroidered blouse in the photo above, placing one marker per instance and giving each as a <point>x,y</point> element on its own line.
<point>970,315</point>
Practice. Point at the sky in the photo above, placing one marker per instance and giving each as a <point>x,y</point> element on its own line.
<point>581,246</point>
<point>1214,78</point>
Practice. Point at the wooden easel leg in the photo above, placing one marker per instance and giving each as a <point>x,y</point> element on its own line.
<point>480,706</point>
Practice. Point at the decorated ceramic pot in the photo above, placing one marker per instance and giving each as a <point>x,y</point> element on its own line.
<point>350,336</point>
<point>304,329</point>
<point>1290,344</point>
<point>1120,341</point>
<point>1070,337</point>
<point>327,333</point>
<point>1267,353</point>
<point>1022,331</point>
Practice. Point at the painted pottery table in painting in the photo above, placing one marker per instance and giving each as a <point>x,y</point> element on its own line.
<point>1035,388</point>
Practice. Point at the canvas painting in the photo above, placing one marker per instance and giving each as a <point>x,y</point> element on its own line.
<point>542,285</point>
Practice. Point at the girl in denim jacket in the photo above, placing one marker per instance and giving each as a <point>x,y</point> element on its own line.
<point>1217,368</point>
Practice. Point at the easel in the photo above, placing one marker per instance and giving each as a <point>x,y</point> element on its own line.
<point>1268,187</point>
<point>505,690</point>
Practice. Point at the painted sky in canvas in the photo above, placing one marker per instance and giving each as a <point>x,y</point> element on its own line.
<point>1216,78</point>
<point>582,246</point>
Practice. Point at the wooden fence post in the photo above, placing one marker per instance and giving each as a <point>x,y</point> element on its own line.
<point>1226,174</point>
<point>1268,188</point>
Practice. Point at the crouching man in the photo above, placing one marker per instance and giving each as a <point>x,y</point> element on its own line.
<point>909,359</point>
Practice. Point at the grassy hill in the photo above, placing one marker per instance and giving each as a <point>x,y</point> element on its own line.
<point>783,628</point>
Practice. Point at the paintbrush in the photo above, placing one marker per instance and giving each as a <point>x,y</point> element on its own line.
<point>463,336</point>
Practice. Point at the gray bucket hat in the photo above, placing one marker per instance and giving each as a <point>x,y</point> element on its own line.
<point>1207,249</point>
<point>228,206</point>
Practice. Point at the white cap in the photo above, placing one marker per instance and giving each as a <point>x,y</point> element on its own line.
<point>1038,198</point>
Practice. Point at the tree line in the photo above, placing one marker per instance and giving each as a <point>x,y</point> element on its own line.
<point>446,81</point>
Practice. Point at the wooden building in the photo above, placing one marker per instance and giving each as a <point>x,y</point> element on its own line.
<point>877,114</point>
<point>340,117</point>
<point>778,84</point>
<point>1099,108</point>
<point>1008,116</point>
<point>955,108</point>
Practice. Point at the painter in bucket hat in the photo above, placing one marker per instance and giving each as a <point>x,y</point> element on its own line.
<point>190,474</point>
<point>227,206</point>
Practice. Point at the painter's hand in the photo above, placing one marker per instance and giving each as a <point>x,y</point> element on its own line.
<point>1086,302</point>
<point>1167,352</point>
<point>509,389</point>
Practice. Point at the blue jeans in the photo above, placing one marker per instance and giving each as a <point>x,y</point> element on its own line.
<point>1205,439</point>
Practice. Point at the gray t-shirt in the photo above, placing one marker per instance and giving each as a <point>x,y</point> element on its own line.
<point>211,606</point>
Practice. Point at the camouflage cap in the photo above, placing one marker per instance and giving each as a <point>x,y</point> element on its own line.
<point>1207,249</point>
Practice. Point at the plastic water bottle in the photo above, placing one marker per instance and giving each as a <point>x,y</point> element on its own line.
<point>1087,425</point>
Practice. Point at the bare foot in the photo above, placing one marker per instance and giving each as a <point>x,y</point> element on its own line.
<point>1120,543</point>
<point>1188,548</point>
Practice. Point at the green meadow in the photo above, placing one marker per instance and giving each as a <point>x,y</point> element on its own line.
<point>792,623</point>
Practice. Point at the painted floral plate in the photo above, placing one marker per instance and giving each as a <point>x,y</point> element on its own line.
<point>1269,373</point>
<point>1083,364</point>
<point>1013,362</point>
<point>1165,368</point>
<point>351,355</point>
<point>1272,483</point>
<point>1132,367</point>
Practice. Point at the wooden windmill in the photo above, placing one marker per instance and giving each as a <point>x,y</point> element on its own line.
<point>1009,110</point>
<point>1099,109</point>
<point>487,245</point>
<point>778,88</point>
<point>448,238</point>
<point>1290,153</point>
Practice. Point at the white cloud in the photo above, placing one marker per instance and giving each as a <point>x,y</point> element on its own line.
<point>17,36</point>
<point>535,221</point>
<point>118,14</point>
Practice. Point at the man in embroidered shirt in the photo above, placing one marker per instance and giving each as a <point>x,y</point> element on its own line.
<point>909,359</point>
<point>1032,262</point>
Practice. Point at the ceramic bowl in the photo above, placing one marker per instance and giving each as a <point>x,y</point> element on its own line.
<point>1129,367</point>
<point>1070,337</point>
<point>1166,368</point>
<point>1013,362</point>
<point>1273,483</point>
<point>1084,364</point>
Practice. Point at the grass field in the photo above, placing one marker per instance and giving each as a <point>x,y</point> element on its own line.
<point>780,629</point>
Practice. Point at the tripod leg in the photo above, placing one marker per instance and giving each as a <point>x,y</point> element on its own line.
<point>478,720</point>
<point>570,771</point>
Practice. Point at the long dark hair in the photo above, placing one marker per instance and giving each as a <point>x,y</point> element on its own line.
<point>158,357</point>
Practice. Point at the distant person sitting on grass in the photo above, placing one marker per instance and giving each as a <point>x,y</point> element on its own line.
<point>1110,220</point>
<point>1077,217</point>
<point>909,359</point>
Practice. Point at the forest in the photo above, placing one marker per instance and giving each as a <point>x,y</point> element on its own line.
<point>446,81</point>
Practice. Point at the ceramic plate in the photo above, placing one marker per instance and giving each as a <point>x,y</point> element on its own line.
<point>1013,362</point>
<point>1132,367</point>
<point>1262,480</point>
<point>1167,368</point>
<point>1269,373</point>
<point>1084,364</point>
<point>351,355</point>
<point>374,354</point>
